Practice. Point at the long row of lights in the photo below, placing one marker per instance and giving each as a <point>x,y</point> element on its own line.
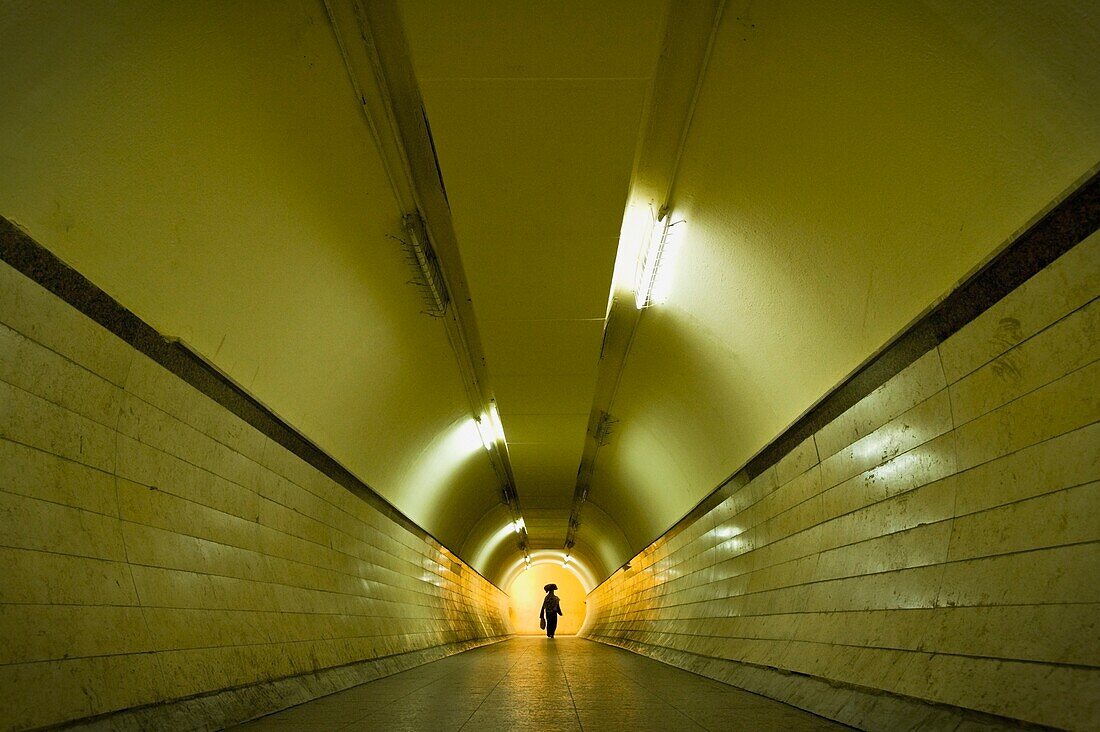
<point>527,561</point>
<point>527,557</point>
<point>653,235</point>
<point>491,431</point>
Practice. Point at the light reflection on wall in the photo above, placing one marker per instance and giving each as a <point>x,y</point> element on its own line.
<point>486,550</point>
<point>639,577</point>
<point>444,458</point>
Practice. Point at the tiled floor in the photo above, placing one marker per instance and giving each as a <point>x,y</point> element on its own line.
<point>538,684</point>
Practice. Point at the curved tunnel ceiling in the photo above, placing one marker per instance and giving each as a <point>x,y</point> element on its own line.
<point>841,172</point>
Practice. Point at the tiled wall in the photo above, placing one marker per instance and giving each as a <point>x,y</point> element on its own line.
<point>154,546</point>
<point>938,540</point>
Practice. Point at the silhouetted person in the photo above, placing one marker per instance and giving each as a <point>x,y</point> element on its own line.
<point>551,609</point>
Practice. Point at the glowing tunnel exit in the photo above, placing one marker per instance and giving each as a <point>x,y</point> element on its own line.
<point>525,596</point>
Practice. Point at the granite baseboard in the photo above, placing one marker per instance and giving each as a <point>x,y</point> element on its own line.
<point>226,707</point>
<point>860,707</point>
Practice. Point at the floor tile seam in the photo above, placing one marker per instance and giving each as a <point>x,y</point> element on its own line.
<point>413,669</point>
<point>783,706</point>
<point>652,660</point>
<point>650,691</point>
<point>394,701</point>
<point>732,687</point>
<point>630,678</point>
<point>497,684</point>
<point>685,712</point>
<point>569,688</point>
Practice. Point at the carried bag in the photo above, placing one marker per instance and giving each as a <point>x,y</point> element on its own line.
<point>542,623</point>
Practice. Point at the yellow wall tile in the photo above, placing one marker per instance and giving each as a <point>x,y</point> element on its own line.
<point>1068,283</point>
<point>42,317</point>
<point>34,633</point>
<point>1062,517</point>
<point>27,471</point>
<point>47,578</point>
<point>926,421</point>
<point>916,383</point>
<point>1060,462</point>
<point>797,461</point>
<point>30,523</point>
<point>1064,347</point>
<point>28,366</point>
<point>1066,404</point>
<point>33,421</point>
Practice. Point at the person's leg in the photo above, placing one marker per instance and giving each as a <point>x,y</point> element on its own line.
<point>551,625</point>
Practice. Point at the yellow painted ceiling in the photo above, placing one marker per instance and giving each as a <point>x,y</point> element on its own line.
<point>209,166</point>
<point>536,110</point>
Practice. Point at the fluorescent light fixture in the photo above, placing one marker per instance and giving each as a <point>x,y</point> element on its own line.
<point>494,420</point>
<point>650,261</point>
<point>490,428</point>
<point>483,432</point>
<point>519,525</point>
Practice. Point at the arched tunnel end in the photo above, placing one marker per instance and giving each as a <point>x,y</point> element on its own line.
<point>526,595</point>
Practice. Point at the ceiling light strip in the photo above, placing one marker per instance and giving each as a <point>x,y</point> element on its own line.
<point>372,42</point>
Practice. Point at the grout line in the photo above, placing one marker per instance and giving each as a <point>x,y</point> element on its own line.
<point>1057,320</point>
<point>615,640</point>
<point>698,586</point>
<point>874,503</point>
<point>69,359</point>
<point>1023,395</point>
<point>568,688</point>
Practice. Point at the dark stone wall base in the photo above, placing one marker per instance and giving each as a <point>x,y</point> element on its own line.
<point>858,706</point>
<point>220,709</point>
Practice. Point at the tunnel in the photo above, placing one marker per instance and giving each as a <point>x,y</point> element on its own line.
<point>765,334</point>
